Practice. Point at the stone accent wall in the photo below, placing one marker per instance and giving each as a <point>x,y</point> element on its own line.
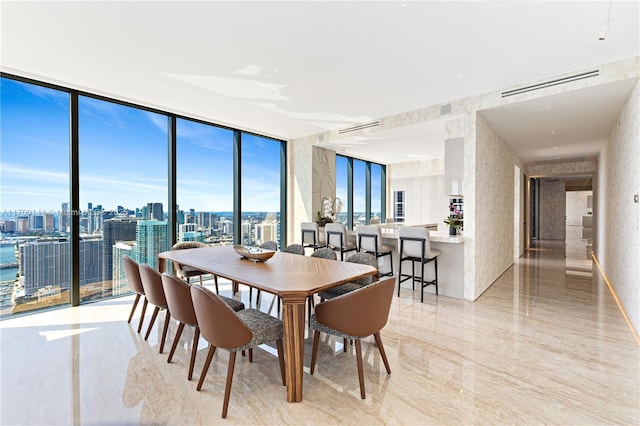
<point>552,209</point>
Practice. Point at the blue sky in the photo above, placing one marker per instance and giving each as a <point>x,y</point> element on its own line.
<point>123,157</point>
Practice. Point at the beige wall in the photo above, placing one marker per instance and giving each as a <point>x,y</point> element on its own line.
<point>617,216</point>
<point>494,206</point>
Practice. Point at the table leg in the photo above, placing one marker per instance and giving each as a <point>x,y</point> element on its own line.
<point>162,264</point>
<point>293,307</point>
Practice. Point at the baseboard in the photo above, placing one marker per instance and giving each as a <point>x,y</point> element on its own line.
<point>616,298</point>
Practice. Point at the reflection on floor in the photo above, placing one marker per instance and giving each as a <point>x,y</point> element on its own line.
<point>578,252</point>
<point>540,346</point>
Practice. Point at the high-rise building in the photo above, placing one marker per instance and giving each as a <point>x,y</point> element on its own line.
<point>120,283</point>
<point>113,231</point>
<point>64,218</point>
<point>10,226</point>
<point>154,211</point>
<point>266,231</point>
<point>46,263</point>
<point>152,237</point>
<point>22,223</point>
<point>36,222</point>
<point>48,222</point>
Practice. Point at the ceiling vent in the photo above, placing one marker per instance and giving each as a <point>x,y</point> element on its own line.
<point>445,109</point>
<point>358,127</point>
<point>551,83</point>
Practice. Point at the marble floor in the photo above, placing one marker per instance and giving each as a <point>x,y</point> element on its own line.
<point>541,346</point>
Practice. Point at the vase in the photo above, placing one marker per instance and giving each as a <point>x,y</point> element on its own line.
<point>453,230</point>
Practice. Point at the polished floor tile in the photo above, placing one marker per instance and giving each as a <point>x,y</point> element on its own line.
<point>546,344</point>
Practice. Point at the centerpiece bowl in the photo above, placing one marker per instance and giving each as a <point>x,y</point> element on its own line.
<point>254,253</point>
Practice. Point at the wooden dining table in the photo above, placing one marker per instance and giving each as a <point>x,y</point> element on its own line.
<point>289,276</point>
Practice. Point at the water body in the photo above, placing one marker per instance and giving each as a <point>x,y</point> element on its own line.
<point>8,255</point>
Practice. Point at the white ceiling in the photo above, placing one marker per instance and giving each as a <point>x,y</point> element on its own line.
<point>292,69</point>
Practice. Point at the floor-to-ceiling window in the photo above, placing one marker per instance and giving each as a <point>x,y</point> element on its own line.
<point>261,185</point>
<point>377,208</point>
<point>361,186</point>
<point>86,180</point>
<point>342,188</point>
<point>359,193</point>
<point>204,183</point>
<point>34,197</point>
<point>123,192</point>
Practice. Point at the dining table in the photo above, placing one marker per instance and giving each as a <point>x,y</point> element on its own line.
<point>291,277</point>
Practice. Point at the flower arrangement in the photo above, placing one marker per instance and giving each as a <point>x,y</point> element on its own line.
<point>455,220</point>
<point>330,209</point>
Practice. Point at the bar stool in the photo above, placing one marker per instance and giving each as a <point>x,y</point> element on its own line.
<point>337,238</point>
<point>311,236</point>
<point>415,246</point>
<point>370,241</point>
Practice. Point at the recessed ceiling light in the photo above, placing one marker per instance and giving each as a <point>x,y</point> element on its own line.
<point>548,106</point>
<point>553,132</point>
<point>459,74</point>
<point>555,147</point>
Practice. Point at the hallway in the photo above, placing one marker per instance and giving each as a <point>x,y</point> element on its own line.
<point>541,346</point>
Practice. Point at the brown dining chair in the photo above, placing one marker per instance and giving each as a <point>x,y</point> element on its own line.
<point>134,281</point>
<point>325,253</point>
<point>294,249</point>
<point>178,294</point>
<point>360,258</point>
<point>153,290</point>
<point>355,315</point>
<point>234,331</point>
<point>186,272</point>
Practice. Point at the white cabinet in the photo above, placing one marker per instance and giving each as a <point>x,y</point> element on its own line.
<point>425,200</point>
<point>454,166</point>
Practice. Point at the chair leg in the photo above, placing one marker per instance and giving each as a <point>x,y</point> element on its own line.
<point>314,351</point>
<point>133,308</point>
<point>360,369</point>
<point>207,361</point>
<point>227,388</point>
<point>215,280</point>
<point>200,279</point>
<point>413,275</point>
<point>281,360</point>
<point>144,310</point>
<point>391,261</point>
<point>436,266</point>
<point>399,274</point>
<point>422,282</point>
<point>194,351</point>
<point>250,354</point>
<point>344,345</point>
<point>153,319</point>
<point>383,354</point>
<point>175,341</point>
<point>167,318</point>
